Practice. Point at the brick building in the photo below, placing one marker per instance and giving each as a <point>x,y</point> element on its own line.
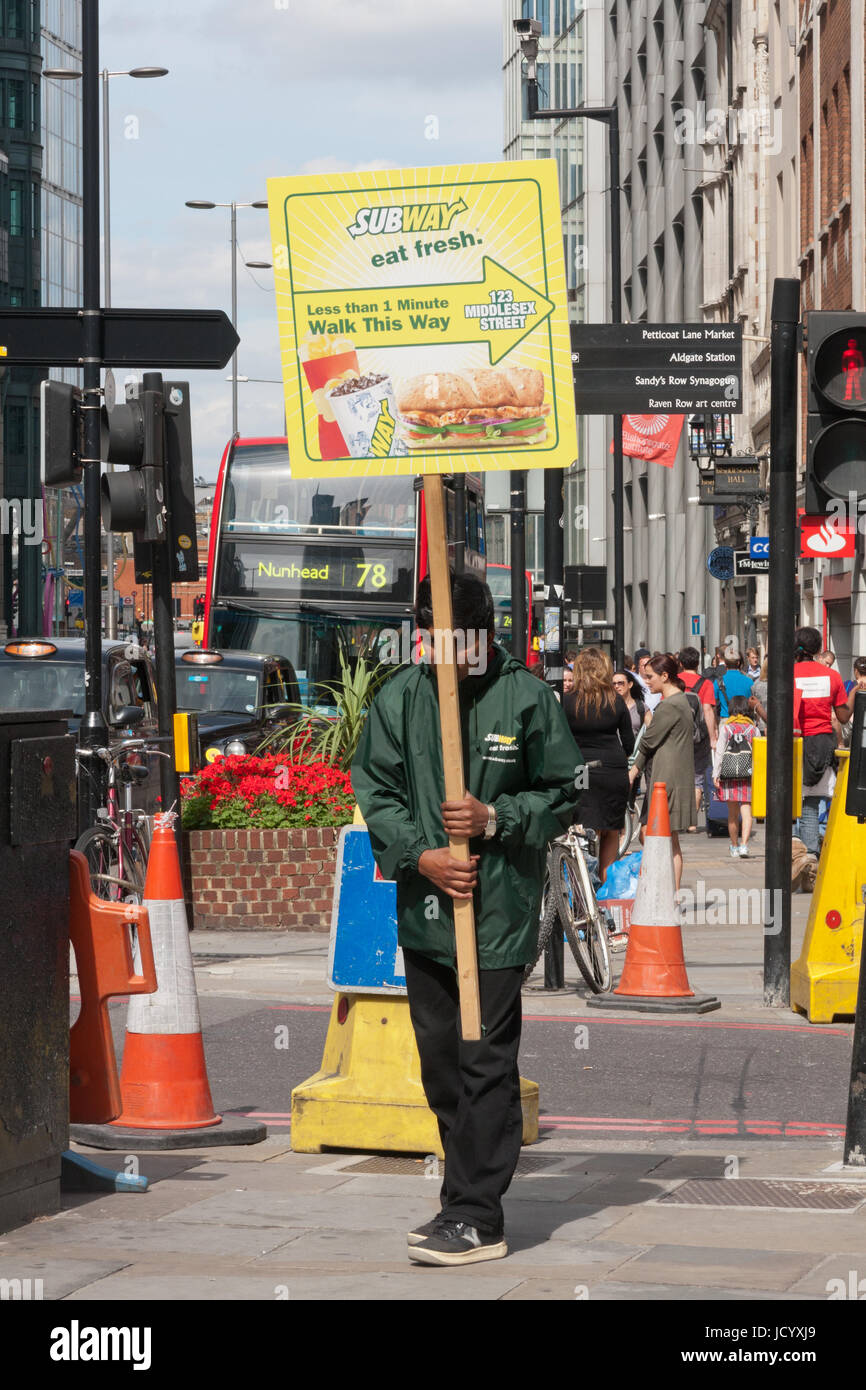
<point>831,42</point>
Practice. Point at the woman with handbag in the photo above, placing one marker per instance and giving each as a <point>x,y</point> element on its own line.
<point>732,771</point>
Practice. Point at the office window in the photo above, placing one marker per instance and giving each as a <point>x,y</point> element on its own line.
<point>35,122</point>
<point>16,207</point>
<point>16,429</point>
<point>14,18</point>
<point>14,103</point>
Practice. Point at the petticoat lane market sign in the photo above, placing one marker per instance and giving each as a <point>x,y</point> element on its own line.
<point>644,368</point>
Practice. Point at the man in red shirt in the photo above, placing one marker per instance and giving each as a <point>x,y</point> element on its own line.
<point>689,661</point>
<point>819,693</point>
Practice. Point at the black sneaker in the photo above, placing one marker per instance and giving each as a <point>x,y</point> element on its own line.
<point>419,1233</point>
<point>456,1243</point>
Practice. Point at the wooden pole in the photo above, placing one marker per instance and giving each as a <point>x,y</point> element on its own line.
<point>452,748</point>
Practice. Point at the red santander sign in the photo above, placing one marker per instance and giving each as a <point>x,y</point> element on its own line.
<point>821,538</point>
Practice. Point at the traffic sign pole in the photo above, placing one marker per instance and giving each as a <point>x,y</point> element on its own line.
<point>785,316</point>
<point>94,730</point>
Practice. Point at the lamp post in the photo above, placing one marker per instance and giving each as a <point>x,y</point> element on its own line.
<point>204,205</point>
<point>65,74</point>
<point>529,32</point>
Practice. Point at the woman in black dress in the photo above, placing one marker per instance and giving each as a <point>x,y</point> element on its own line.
<point>600,722</point>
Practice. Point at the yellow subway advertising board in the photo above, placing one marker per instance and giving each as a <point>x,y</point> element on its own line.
<point>423,320</point>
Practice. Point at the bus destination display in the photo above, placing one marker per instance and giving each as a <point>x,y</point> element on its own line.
<point>317,572</point>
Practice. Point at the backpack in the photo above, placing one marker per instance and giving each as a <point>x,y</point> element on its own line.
<point>736,764</point>
<point>700,732</point>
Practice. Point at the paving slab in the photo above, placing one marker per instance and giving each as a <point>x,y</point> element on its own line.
<point>416,1284</point>
<point>259,1210</point>
<point>59,1276</point>
<point>615,1292</point>
<point>823,1280</point>
<point>168,1235</point>
<point>729,1267</point>
<point>744,1228</point>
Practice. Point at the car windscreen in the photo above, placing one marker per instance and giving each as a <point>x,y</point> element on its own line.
<point>41,684</point>
<point>218,689</point>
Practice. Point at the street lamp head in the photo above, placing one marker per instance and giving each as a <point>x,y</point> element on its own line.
<point>259,265</point>
<point>260,203</point>
<point>148,72</point>
<point>61,74</point>
<point>199,203</point>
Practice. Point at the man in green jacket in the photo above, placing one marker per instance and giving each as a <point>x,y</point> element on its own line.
<point>520,764</point>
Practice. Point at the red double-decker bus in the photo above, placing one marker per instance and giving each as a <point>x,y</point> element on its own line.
<point>306,568</point>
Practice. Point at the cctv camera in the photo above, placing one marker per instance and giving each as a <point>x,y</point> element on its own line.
<point>529,32</point>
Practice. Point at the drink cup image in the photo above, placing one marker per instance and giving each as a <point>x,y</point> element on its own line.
<point>327,361</point>
<point>365,411</point>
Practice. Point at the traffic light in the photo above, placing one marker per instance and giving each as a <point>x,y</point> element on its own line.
<point>836,419</point>
<point>180,491</point>
<point>135,500</point>
<point>61,434</point>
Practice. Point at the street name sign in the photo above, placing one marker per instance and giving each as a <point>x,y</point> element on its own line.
<point>202,338</point>
<point>648,368</point>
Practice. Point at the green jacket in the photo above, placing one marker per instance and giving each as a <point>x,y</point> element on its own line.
<point>518,754</point>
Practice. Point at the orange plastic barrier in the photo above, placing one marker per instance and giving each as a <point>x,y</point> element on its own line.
<point>103,954</point>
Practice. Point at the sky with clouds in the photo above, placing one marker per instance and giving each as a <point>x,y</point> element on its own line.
<point>264,88</point>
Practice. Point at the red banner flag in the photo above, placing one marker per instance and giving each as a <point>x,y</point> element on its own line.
<point>652,437</point>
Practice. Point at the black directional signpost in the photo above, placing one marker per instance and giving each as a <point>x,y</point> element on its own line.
<point>128,337</point>
<point>653,368</point>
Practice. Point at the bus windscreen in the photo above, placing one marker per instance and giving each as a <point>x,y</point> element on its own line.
<point>261,496</point>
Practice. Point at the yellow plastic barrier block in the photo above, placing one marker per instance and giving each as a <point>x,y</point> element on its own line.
<point>824,979</point>
<point>759,778</point>
<point>368,1093</point>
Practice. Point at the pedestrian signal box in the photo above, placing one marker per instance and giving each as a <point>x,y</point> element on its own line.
<point>836,420</point>
<point>855,796</point>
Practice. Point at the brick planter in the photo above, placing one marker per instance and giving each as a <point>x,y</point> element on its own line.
<point>261,880</point>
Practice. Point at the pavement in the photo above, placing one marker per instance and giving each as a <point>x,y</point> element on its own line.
<point>636,1217</point>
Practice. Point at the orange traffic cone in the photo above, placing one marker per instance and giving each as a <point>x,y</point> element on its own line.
<point>163,1082</point>
<point>654,978</point>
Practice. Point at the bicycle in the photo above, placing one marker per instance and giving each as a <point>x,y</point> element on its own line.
<point>568,898</point>
<point>117,848</point>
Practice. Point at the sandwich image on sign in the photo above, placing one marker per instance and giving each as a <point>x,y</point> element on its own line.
<point>500,408</point>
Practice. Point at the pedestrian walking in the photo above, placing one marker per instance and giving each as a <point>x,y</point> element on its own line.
<point>642,659</point>
<point>827,659</point>
<point>626,685</point>
<point>818,695</point>
<point>731,680</point>
<point>520,764</point>
<point>567,680</point>
<point>858,679</point>
<point>666,752</point>
<point>732,772</point>
<point>602,729</point>
<point>758,699</point>
<point>753,663</point>
<point>699,693</point>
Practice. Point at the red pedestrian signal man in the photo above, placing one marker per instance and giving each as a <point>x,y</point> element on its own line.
<point>852,370</point>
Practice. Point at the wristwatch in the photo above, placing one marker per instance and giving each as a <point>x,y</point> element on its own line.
<point>490,828</point>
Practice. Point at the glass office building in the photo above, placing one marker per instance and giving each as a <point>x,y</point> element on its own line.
<point>40,256</point>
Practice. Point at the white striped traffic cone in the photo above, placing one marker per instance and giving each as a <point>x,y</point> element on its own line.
<point>164,1085</point>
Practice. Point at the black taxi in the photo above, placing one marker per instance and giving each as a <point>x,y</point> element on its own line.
<point>239,697</point>
<point>48,673</point>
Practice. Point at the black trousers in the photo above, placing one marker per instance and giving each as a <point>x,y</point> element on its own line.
<point>473,1088</point>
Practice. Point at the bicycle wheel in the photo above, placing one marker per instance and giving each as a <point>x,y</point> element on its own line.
<point>584,925</point>
<point>115,875</point>
<point>548,919</point>
<point>629,832</point>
